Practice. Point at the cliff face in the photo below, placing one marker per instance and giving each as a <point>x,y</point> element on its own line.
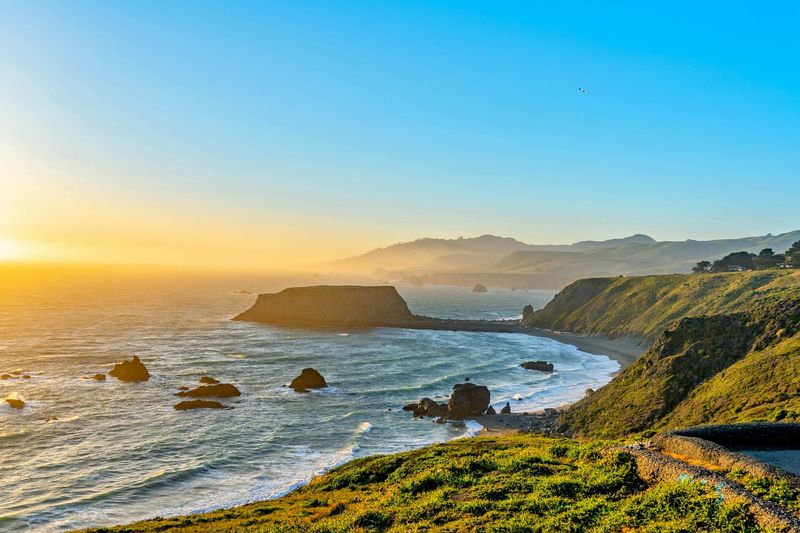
<point>687,376</point>
<point>328,305</point>
<point>643,307</point>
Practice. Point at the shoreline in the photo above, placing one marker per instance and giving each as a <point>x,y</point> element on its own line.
<point>622,350</point>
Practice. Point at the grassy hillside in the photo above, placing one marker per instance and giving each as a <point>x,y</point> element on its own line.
<point>515,483</point>
<point>741,366</point>
<point>643,307</point>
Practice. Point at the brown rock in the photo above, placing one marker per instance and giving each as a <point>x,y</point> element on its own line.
<point>308,379</point>
<point>26,376</point>
<point>467,400</point>
<point>222,390</point>
<point>541,366</point>
<point>5,376</point>
<point>208,380</point>
<point>99,377</point>
<point>14,403</point>
<point>198,404</point>
<point>133,370</point>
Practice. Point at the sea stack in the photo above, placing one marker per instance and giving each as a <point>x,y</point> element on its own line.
<point>330,305</point>
<point>308,379</point>
<point>480,288</point>
<point>133,370</point>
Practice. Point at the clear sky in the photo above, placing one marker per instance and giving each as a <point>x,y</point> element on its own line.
<point>286,132</point>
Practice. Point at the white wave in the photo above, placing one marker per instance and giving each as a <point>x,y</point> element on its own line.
<point>472,428</point>
<point>344,334</point>
<point>364,427</point>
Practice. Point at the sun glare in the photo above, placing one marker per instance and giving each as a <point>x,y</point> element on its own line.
<point>10,250</point>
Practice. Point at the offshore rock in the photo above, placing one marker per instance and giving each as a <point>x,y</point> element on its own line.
<point>198,404</point>
<point>541,366</point>
<point>308,379</point>
<point>222,390</point>
<point>133,370</point>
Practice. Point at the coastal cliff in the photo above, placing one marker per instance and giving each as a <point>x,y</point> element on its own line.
<point>707,369</point>
<point>330,305</point>
<point>641,308</point>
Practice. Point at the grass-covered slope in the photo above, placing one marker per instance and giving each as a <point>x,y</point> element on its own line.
<point>514,483</point>
<point>742,366</point>
<point>643,307</point>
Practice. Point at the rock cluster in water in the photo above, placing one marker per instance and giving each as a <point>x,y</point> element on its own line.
<point>133,370</point>
<point>467,399</point>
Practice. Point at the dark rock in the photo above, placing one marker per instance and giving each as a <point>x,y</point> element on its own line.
<point>330,305</point>
<point>506,410</point>
<point>222,390</point>
<point>527,312</point>
<point>183,387</point>
<point>208,380</point>
<point>467,400</point>
<point>5,376</point>
<point>441,420</point>
<point>491,411</point>
<point>99,377</point>
<point>198,404</point>
<point>26,376</point>
<point>466,378</point>
<point>410,407</point>
<point>308,379</point>
<point>479,288</point>
<point>133,370</point>
<point>541,366</point>
<point>14,403</point>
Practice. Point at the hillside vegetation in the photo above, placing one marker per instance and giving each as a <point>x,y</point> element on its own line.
<point>643,307</point>
<point>742,366</point>
<point>513,483</point>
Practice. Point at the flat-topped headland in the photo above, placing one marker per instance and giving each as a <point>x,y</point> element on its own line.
<point>355,306</point>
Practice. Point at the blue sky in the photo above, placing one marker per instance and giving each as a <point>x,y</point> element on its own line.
<point>355,124</point>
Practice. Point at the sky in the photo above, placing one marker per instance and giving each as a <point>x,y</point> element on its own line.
<point>277,134</point>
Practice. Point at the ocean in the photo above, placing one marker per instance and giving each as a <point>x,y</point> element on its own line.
<point>83,453</point>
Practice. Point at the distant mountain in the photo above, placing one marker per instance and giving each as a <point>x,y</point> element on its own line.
<point>506,262</point>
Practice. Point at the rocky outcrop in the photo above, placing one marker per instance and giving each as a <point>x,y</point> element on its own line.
<point>480,288</point>
<point>506,410</point>
<point>308,379</point>
<point>541,366</point>
<point>208,380</point>
<point>330,305</point>
<point>133,370</point>
<point>468,399</point>
<point>198,404</point>
<point>694,352</point>
<point>427,407</point>
<point>222,390</point>
<point>15,403</point>
<point>527,312</point>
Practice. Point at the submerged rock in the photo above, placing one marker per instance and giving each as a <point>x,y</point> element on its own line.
<point>209,380</point>
<point>198,404</point>
<point>541,366</point>
<point>479,288</point>
<point>467,400</point>
<point>133,370</point>
<point>99,377</point>
<point>222,390</point>
<point>308,379</point>
<point>15,403</point>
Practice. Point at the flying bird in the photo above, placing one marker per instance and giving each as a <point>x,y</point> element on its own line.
<point>582,90</point>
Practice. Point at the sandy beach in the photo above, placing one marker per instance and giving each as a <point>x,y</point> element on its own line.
<point>624,351</point>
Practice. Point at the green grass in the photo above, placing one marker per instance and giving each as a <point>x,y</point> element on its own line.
<point>643,307</point>
<point>507,484</point>
<point>762,387</point>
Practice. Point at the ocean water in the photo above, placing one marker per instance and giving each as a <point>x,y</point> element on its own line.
<point>119,452</point>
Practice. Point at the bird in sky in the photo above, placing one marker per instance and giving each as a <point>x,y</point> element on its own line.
<point>582,90</point>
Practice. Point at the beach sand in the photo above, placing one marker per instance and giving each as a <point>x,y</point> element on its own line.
<point>624,351</point>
